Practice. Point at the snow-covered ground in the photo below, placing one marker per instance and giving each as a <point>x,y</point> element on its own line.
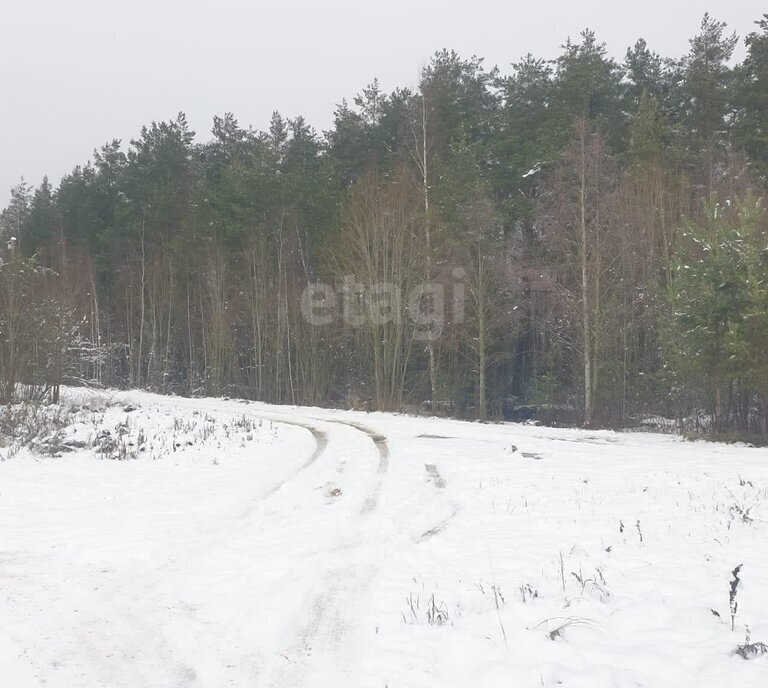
<point>218,543</point>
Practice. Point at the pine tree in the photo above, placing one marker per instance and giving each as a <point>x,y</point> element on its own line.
<point>751,126</point>
<point>706,93</point>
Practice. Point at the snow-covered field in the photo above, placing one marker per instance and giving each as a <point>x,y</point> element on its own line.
<point>218,543</point>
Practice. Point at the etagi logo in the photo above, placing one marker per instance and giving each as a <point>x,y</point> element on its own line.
<point>383,303</point>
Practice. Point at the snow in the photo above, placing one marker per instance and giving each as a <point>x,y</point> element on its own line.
<point>241,544</point>
<point>534,170</point>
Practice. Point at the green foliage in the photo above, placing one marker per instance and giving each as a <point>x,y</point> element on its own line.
<point>706,89</point>
<point>646,131</point>
<point>588,81</point>
<point>531,130</point>
<point>14,215</point>
<point>644,72</point>
<point>459,101</point>
<point>40,224</point>
<point>189,257</point>
<point>719,294</point>
<point>751,95</point>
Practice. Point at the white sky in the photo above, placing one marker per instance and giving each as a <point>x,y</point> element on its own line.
<point>77,73</point>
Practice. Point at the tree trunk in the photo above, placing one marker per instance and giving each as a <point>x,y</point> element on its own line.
<point>481,334</point>
<point>586,325</point>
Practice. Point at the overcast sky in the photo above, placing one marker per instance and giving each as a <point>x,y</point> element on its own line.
<point>76,73</point>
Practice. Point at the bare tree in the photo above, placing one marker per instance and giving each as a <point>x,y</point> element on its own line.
<point>381,248</point>
<point>420,146</point>
<point>578,219</point>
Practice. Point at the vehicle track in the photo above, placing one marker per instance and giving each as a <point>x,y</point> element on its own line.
<point>326,626</point>
<point>325,618</point>
<point>321,444</point>
<point>113,644</point>
<point>318,637</point>
<point>320,437</point>
<point>327,613</point>
<point>382,446</point>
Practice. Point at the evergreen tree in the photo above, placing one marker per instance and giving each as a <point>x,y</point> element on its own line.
<point>706,93</point>
<point>14,215</point>
<point>751,127</point>
<point>40,224</point>
<point>530,131</point>
<point>559,189</point>
<point>644,71</point>
<point>588,85</point>
<point>718,293</point>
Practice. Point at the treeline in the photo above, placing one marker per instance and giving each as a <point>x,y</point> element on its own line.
<point>584,235</point>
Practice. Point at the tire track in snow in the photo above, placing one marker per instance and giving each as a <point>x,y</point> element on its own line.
<point>321,444</point>
<point>320,437</point>
<point>325,618</point>
<point>382,446</point>
<point>440,527</point>
<point>113,645</point>
<point>380,442</point>
<point>327,623</point>
<point>321,638</point>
